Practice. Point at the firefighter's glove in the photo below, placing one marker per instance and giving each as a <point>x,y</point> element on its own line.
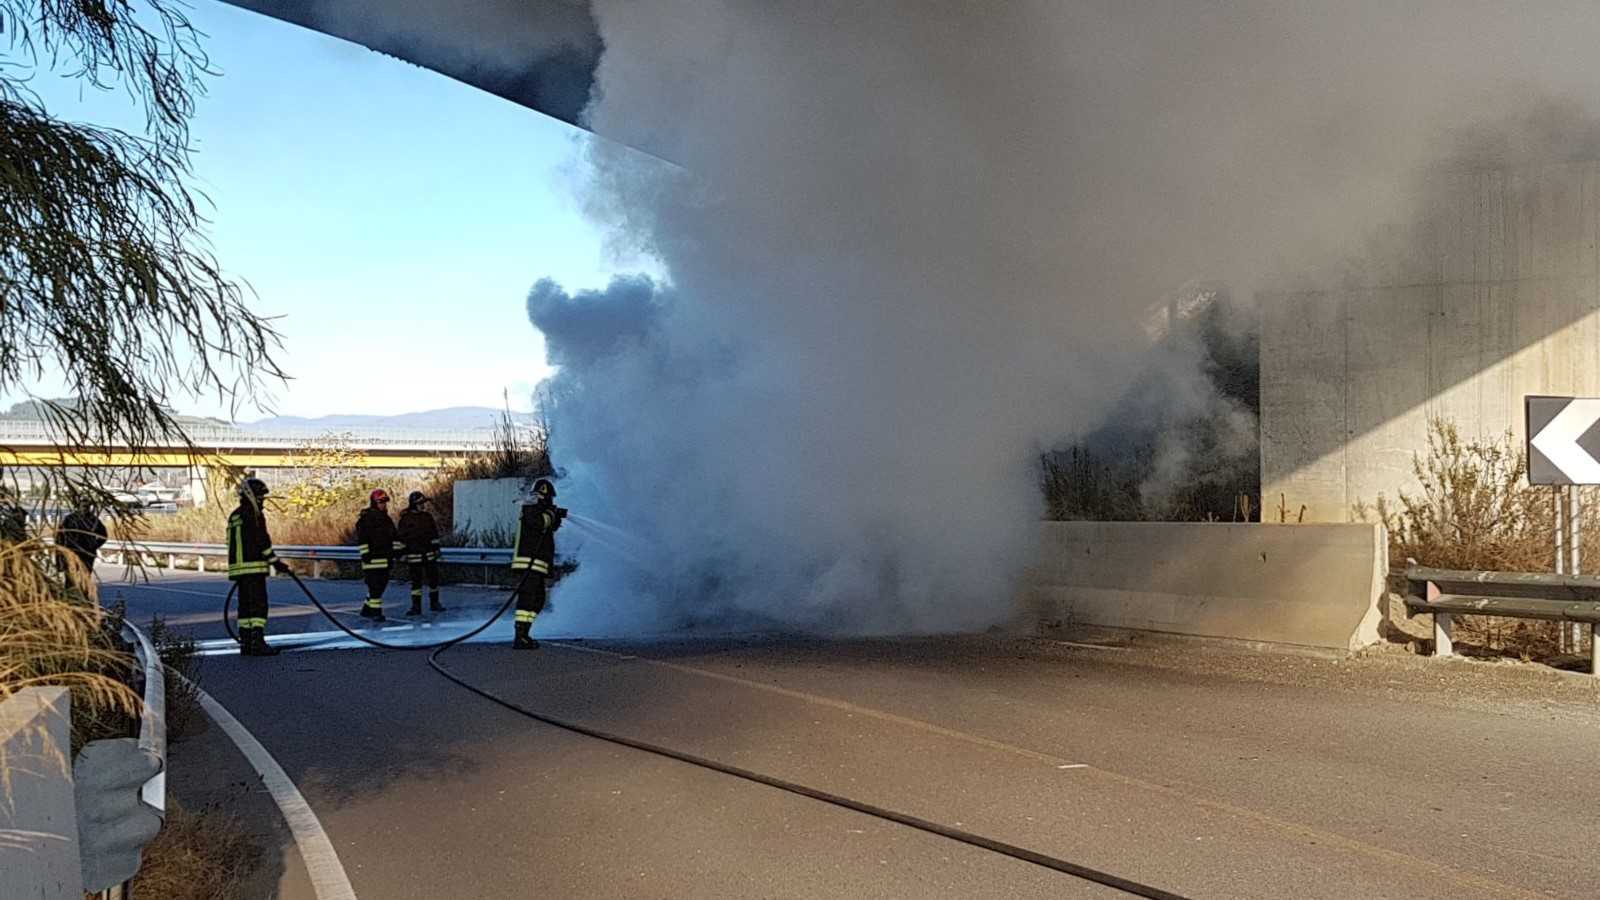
<point>281,567</point>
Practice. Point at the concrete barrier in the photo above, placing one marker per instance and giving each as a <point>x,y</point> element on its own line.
<point>39,856</point>
<point>1308,585</point>
<point>114,825</point>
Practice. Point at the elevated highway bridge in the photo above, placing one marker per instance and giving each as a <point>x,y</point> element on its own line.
<point>35,444</point>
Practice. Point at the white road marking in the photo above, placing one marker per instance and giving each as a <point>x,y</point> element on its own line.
<point>596,650</point>
<point>1087,646</point>
<point>136,586</point>
<point>328,878</point>
<point>328,640</point>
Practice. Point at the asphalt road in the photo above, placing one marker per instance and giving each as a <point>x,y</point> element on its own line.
<point>193,601</point>
<point>1202,771</point>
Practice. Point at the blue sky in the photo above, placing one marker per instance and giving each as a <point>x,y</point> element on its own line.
<point>394,218</point>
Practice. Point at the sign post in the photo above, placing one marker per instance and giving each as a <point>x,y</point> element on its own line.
<point>1564,452</point>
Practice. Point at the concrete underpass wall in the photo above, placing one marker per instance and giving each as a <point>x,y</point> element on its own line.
<point>1310,585</point>
<point>1494,295</point>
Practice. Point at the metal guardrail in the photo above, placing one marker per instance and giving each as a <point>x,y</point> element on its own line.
<point>153,719</point>
<point>465,556</point>
<point>152,733</point>
<point>1446,593</point>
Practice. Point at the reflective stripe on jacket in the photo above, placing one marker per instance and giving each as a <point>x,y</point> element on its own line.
<point>249,544</point>
<point>419,535</point>
<point>535,547</point>
<point>375,533</point>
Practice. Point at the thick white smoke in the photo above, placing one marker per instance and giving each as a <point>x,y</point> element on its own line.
<point>908,244</point>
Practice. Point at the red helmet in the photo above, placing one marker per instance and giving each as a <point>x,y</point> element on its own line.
<point>380,496</point>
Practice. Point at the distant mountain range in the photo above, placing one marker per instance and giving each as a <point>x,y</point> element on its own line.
<point>454,417</point>
<point>451,417</point>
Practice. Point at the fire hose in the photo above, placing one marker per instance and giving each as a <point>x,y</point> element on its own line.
<point>227,604</point>
<point>981,842</point>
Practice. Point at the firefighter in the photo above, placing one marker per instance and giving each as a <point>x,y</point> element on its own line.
<point>249,558</point>
<point>13,518</point>
<point>80,536</point>
<point>375,533</point>
<point>419,536</point>
<point>534,551</point>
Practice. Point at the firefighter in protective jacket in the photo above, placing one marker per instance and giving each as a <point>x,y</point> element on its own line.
<point>419,536</point>
<point>250,558</point>
<point>534,552</point>
<point>81,534</point>
<point>375,532</point>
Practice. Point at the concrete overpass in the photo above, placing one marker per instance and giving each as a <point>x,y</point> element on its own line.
<point>34,444</point>
<point>541,54</point>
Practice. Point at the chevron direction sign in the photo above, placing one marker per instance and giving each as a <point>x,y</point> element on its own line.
<point>1563,440</point>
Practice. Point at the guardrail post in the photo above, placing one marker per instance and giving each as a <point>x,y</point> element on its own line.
<point>316,568</point>
<point>199,563</point>
<point>1443,626</point>
<point>1443,629</point>
<point>172,560</point>
<point>1594,649</point>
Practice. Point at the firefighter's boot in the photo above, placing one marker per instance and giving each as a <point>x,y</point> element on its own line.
<point>522,640</point>
<point>416,604</point>
<point>433,602</point>
<point>253,642</point>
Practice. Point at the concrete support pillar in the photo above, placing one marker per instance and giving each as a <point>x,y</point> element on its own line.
<point>198,478</point>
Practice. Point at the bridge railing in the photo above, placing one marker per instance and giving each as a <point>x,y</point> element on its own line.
<point>26,432</point>
<point>153,552</point>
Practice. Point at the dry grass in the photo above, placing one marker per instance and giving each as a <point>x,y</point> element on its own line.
<point>1475,510</point>
<point>53,634</point>
<point>332,525</point>
<point>205,525</point>
<point>202,855</point>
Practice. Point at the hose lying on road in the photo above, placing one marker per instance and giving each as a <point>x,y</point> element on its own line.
<point>1057,864</point>
<point>227,604</point>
